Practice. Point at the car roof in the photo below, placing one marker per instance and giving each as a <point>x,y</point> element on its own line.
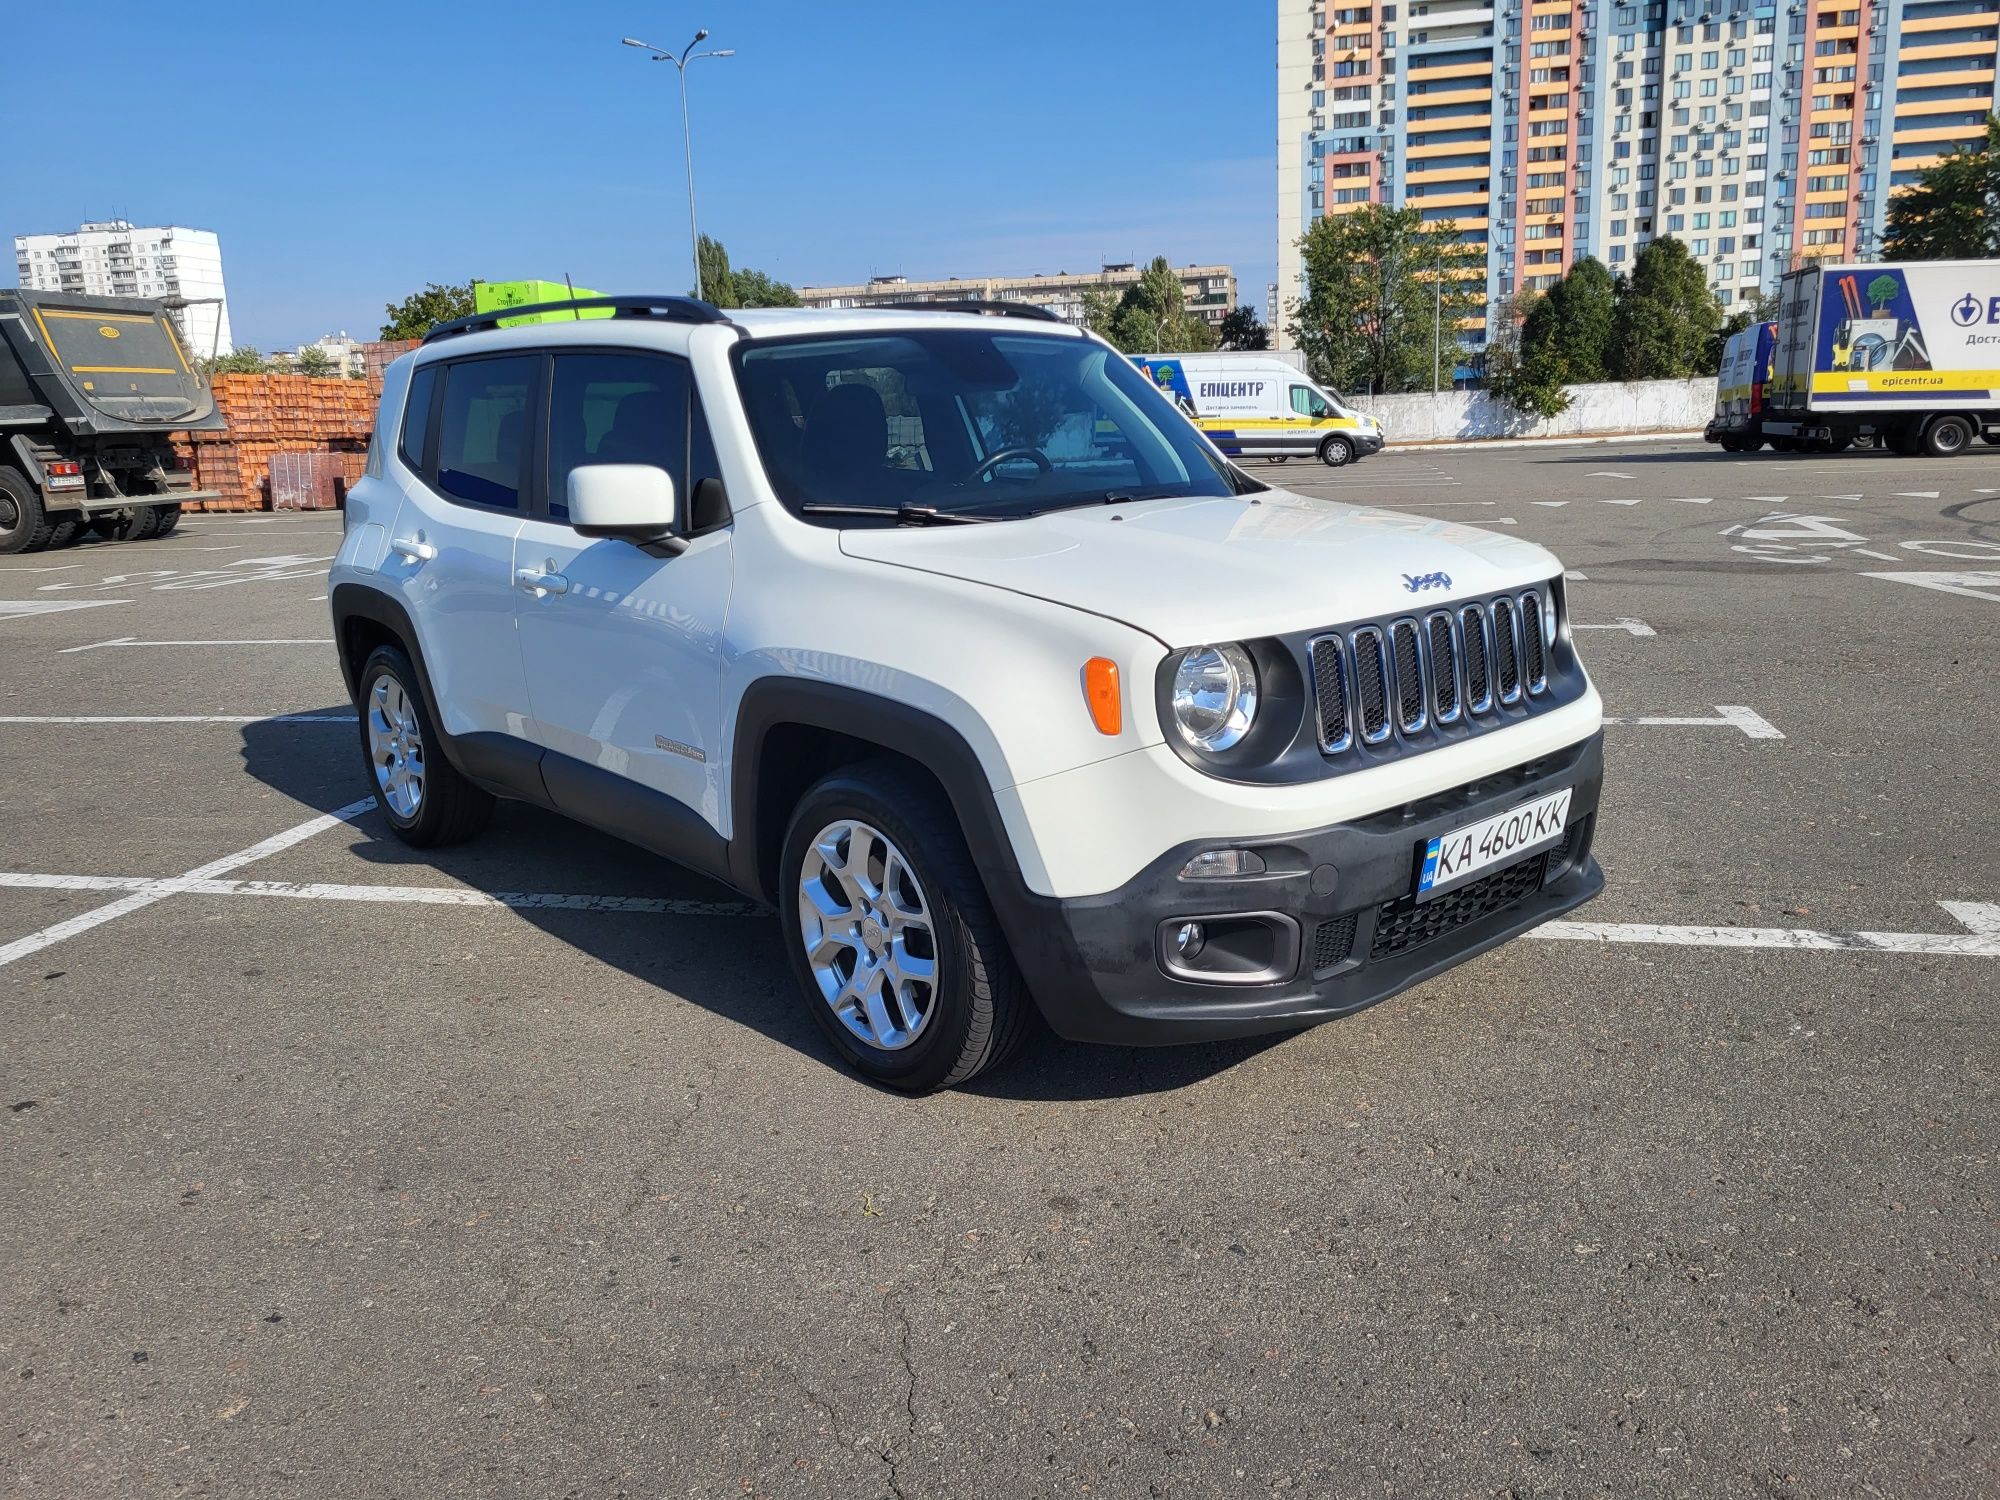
<point>669,322</point>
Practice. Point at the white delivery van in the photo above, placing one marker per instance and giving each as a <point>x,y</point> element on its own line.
<point>1252,407</point>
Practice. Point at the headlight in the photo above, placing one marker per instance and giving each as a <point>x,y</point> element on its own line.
<point>1215,697</point>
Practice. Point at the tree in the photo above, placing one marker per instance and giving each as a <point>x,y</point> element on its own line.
<point>1663,316</point>
<point>314,360</point>
<point>1382,285</point>
<point>1152,316</point>
<point>1952,210</point>
<point>725,286</point>
<point>1529,380</point>
<point>1242,329</point>
<point>1100,307</point>
<point>244,361</point>
<point>1568,331</point>
<point>420,312</point>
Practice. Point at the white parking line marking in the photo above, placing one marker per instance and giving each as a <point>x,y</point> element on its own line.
<point>1916,494</point>
<point>1572,573</point>
<point>1978,584</point>
<point>15,609</point>
<point>1551,504</point>
<point>66,567</point>
<point>177,719</point>
<point>1752,723</point>
<point>1625,623</point>
<point>1692,499</point>
<point>128,640</point>
<point>1981,940</point>
<point>159,890</point>
<point>1607,500</point>
<point>1606,474</point>
<point>421,895</point>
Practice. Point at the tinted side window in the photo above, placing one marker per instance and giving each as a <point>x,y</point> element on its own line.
<point>483,428</point>
<point>616,409</point>
<point>417,417</point>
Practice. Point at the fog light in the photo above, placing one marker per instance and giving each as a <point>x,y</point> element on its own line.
<point>1188,940</point>
<point>1223,864</point>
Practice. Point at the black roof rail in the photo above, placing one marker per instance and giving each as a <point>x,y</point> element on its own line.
<point>987,308</point>
<point>670,309</point>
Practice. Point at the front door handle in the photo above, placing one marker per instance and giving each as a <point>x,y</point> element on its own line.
<point>536,582</point>
<point>418,550</point>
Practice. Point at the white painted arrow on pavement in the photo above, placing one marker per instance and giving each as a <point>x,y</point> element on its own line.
<point>1735,715</point>
<point>1974,585</point>
<point>1980,940</point>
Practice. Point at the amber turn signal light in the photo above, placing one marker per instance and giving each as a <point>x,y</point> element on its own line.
<point>1100,690</point>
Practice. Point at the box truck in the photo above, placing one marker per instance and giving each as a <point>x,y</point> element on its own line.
<point>1908,354</point>
<point>1260,406</point>
<point>1741,387</point>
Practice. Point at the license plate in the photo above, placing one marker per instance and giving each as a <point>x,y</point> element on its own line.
<point>1456,857</point>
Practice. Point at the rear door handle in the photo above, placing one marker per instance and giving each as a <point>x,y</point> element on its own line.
<point>535,582</point>
<point>414,551</point>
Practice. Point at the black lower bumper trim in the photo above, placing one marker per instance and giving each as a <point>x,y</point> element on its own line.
<point>1092,963</point>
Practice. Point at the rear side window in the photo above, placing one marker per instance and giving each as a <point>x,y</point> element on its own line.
<point>417,417</point>
<point>616,409</point>
<point>483,430</point>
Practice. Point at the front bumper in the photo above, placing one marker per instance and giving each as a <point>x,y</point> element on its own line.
<point>1096,966</point>
<point>1368,443</point>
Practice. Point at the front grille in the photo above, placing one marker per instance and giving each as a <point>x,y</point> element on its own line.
<point>1478,683</point>
<point>1409,675</point>
<point>1444,668</point>
<point>1333,942</point>
<point>1506,659</point>
<point>1330,689</point>
<point>1532,662</point>
<point>1374,681</point>
<point>1371,684</point>
<point>1404,923</point>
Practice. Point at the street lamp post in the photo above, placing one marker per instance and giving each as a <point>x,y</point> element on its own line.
<point>686,55</point>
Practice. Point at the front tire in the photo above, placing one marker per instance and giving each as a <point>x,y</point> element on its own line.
<point>1336,453</point>
<point>892,939</point>
<point>421,793</point>
<point>24,525</point>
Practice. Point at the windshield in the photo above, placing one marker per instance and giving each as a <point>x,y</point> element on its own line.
<point>967,421</point>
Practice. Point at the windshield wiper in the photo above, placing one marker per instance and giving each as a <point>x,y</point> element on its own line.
<point>903,515</point>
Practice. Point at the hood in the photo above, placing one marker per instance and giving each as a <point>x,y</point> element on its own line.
<point>1193,571</point>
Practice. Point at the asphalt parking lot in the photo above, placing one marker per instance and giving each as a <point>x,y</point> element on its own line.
<point>337,1168</point>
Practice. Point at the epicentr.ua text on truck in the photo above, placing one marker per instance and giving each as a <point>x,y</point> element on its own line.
<point>1906,354</point>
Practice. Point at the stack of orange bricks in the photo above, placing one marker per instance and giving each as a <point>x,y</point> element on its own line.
<point>270,414</point>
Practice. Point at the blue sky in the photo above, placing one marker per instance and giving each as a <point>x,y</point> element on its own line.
<point>349,152</point>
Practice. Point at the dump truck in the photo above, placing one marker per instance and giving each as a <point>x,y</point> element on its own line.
<point>91,391</point>
<point>1906,354</point>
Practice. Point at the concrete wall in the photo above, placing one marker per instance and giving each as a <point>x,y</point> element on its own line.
<point>1609,408</point>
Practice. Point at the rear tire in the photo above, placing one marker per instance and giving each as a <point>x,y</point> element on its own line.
<point>145,524</point>
<point>850,927</point>
<point>115,525</point>
<point>66,531</point>
<point>24,525</point>
<point>1336,453</point>
<point>421,793</point>
<point>1947,437</point>
<point>169,517</point>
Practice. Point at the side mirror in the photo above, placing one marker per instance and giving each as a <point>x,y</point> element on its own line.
<point>628,502</point>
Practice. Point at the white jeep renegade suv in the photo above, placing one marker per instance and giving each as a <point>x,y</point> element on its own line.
<point>940,631</point>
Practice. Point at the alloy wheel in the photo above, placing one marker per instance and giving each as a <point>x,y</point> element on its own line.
<point>869,940</point>
<point>396,747</point>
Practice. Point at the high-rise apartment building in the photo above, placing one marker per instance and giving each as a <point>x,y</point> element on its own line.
<point>1210,290</point>
<point>115,259</point>
<point>1759,135</point>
